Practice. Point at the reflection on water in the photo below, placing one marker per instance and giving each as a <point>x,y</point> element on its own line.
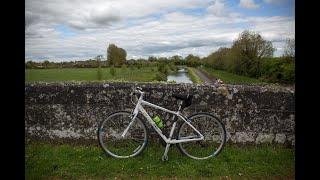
<point>180,77</point>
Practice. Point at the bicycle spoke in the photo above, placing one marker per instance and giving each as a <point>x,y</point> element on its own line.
<point>214,137</point>
<point>114,144</point>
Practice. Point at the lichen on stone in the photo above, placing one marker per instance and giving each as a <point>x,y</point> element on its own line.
<point>250,113</point>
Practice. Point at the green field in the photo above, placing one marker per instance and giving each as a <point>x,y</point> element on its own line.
<point>45,161</point>
<point>231,78</point>
<point>144,74</point>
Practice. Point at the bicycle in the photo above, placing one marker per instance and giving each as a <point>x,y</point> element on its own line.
<point>123,134</point>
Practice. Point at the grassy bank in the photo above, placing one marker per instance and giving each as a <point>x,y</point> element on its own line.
<point>144,74</point>
<point>230,78</point>
<point>193,76</point>
<point>44,160</point>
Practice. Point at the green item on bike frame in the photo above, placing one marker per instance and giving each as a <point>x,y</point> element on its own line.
<point>158,121</point>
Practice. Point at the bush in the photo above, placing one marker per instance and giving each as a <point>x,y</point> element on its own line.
<point>163,68</point>
<point>289,72</point>
<point>278,70</point>
<point>172,67</point>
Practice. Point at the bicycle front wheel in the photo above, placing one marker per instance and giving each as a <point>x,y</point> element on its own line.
<point>214,136</point>
<point>111,141</point>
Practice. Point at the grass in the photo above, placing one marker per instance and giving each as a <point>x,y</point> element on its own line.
<point>231,78</point>
<point>193,76</point>
<point>45,161</point>
<point>144,74</point>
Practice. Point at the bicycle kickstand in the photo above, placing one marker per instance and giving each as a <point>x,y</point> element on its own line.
<point>165,154</point>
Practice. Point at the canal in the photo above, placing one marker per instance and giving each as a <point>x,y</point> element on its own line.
<point>181,76</point>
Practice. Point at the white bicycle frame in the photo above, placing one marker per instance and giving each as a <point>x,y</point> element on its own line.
<point>168,140</point>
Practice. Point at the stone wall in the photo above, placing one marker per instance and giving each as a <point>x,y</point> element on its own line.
<point>72,111</point>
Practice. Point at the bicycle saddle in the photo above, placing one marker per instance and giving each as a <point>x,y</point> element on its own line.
<point>182,97</point>
<point>187,100</point>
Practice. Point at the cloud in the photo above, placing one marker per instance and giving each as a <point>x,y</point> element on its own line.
<point>77,14</point>
<point>30,18</point>
<point>143,28</point>
<point>248,4</point>
<point>275,1</point>
<point>217,8</point>
<point>173,46</point>
<point>104,17</point>
<point>274,28</point>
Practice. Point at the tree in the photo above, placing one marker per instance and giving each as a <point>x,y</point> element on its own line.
<point>152,59</point>
<point>122,56</point>
<point>46,63</point>
<point>249,49</point>
<point>192,60</point>
<point>163,68</point>
<point>289,50</point>
<point>251,45</point>
<point>30,64</point>
<point>176,58</point>
<point>116,56</point>
<point>218,58</point>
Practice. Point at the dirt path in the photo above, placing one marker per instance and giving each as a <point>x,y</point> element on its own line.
<point>205,77</point>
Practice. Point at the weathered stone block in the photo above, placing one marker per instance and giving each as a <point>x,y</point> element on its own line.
<point>243,137</point>
<point>280,138</point>
<point>264,138</point>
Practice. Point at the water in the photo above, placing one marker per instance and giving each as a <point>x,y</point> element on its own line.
<point>180,77</point>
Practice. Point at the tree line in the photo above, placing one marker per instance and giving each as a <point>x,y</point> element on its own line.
<point>249,55</point>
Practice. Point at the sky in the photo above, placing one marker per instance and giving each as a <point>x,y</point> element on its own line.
<point>69,30</point>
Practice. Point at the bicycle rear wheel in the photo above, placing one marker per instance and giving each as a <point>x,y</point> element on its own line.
<point>111,129</point>
<point>214,136</point>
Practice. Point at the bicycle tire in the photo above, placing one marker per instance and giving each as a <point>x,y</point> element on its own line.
<point>115,135</point>
<point>190,152</point>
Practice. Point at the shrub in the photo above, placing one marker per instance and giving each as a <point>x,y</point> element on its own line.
<point>289,72</point>
<point>278,70</point>
<point>172,67</point>
<point>163,68</point>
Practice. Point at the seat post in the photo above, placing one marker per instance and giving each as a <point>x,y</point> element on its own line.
<point>180,104</point>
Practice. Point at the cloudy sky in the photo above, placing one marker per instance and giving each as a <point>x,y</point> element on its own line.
<point>64,30</point>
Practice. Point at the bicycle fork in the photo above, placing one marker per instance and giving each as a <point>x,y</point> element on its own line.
<point>165,154</point>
